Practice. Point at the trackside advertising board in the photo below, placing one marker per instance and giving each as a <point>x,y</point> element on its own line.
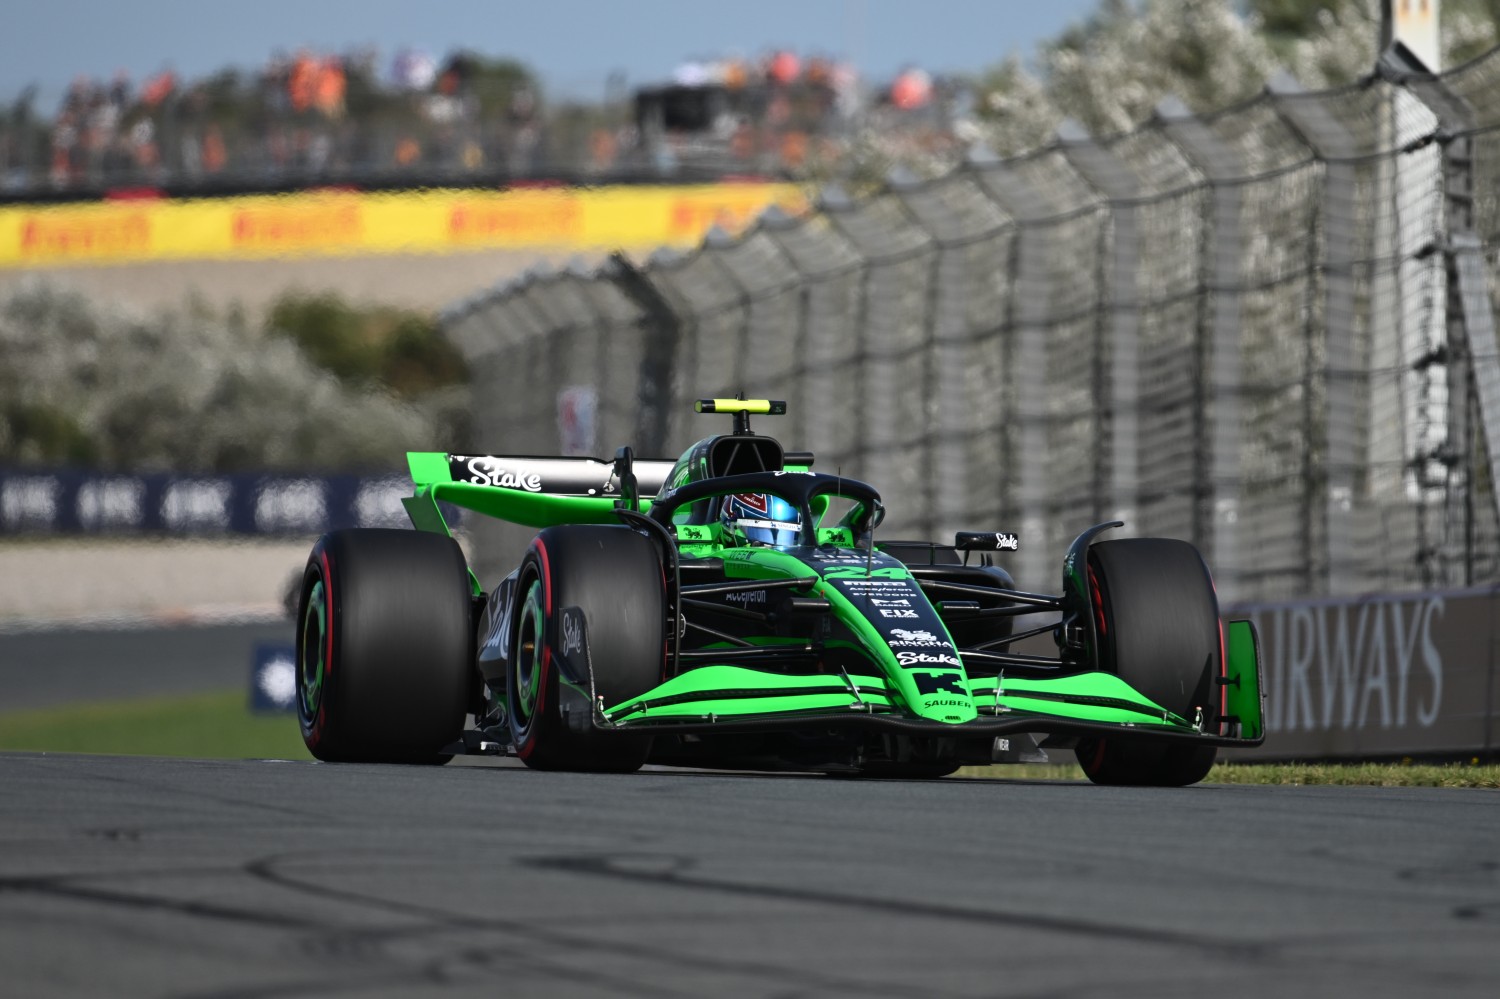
<point>72,502</point>
<point>351,223</point>
<point>1379,676</point>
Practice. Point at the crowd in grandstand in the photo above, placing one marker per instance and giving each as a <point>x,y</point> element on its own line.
<point>315,116</point>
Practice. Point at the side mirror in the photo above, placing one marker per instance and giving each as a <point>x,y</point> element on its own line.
<point>625,472</point>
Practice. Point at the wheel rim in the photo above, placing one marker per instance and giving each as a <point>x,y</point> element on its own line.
<point>314,650</point>
<point>527,659</point>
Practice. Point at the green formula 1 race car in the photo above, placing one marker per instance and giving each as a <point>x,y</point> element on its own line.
<point>734,609</point>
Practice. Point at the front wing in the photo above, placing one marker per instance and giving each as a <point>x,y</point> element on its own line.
<point>727,698</point>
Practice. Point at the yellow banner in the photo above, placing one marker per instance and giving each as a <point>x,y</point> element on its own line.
<point>352,224</point>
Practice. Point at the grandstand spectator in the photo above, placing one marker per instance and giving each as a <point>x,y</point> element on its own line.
<point>329,87</point>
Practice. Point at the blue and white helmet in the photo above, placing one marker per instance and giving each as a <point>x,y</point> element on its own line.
<point>761,519</point>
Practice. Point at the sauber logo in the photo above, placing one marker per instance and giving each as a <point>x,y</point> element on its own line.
<point>489,472</point>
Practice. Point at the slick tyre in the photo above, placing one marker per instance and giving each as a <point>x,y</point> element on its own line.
<point>385,646</point>
<point>1157,619</point>
<point>614,575</point>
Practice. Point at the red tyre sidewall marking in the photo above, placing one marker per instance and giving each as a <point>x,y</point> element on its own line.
<point>528,746</point>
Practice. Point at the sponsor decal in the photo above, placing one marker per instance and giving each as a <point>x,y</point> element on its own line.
<point>108,503</point>
<point>572,632</point>
<point>943,702</point>
<point>378,503</point>
<point>857,587</point>
<point>79,235</point>
<point>486,471</point>
<point>899,614</point>
<point>840,572</point>
<point>905,638</point>
<point>897,602</point>
<point>926,659</point>
<point>747,597</point>
<point>1341,667</point>
<point>298,505</point>
<point>754,501</point>
<point>940,683</point>
<point>30,502</point>
<point>497,612</point>
<point>196,505</point>
<point>303,226</point>
<point>691,532</point>
<point>435,221</point>
<point>547,218</point>
<point>1007,542</point>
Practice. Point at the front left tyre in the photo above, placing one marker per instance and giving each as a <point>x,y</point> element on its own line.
<point>614,576</point>
<point>1157,618</point>
<point>385,646</point>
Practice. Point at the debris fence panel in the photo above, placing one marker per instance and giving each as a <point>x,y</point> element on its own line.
<point>1267,330</point>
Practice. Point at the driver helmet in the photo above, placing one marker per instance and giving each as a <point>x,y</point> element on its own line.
<point>761,519</point>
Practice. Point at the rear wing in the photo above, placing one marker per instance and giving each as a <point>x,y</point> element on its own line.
<point>536,474</point>
<point>531,490</point>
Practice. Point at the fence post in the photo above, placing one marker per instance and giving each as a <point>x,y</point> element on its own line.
<point>1216,160</point>
<point>1335,147</point>
<point>1472,352</point>
<point>1030,307</point>
<point>1118,392</point>
<point>663,332</point>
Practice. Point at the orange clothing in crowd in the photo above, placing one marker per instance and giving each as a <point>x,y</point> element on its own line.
<point>330,88</point>
<point>302,81</point>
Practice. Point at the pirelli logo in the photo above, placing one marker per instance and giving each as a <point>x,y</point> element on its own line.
<point>296,228</point>
<point>544,219</point>
<point>68,237</point>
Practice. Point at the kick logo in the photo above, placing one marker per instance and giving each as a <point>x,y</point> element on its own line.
<point>940,683</point>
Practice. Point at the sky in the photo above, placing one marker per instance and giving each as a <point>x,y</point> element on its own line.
<point>573,45</point>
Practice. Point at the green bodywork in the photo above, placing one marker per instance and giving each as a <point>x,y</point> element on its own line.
<point>714,693</point>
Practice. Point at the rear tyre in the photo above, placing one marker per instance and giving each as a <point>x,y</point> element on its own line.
<point>614,576</point>
<point>385,646</point>
<point>1157,619</point>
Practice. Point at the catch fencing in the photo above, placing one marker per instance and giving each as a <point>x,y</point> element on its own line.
<point>1267,330</point>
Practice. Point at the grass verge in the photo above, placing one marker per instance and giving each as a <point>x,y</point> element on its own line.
<point>206,726</point>
<point>219,726</point>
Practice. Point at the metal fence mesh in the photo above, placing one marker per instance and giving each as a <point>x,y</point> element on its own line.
<point>1246,329</point>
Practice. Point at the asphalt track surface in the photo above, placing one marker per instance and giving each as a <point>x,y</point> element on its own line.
<point>127,877</point>
<point>51,667</point>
